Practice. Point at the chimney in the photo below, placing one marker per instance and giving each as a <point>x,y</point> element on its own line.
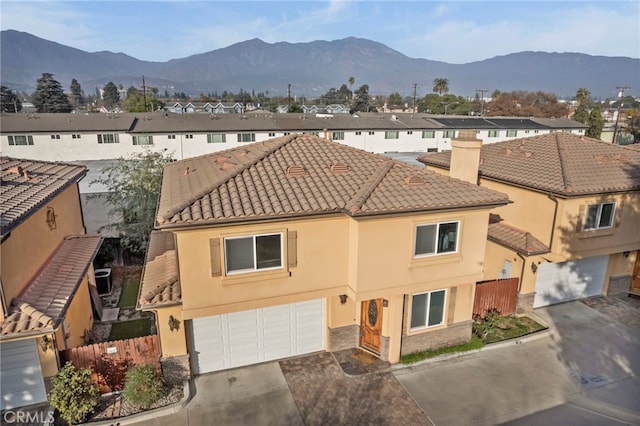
<point>465,156</point>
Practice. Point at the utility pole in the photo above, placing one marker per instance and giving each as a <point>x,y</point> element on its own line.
<point>415,88</point>
<point>621,90</point>
<point>144,94</point>
<point>482,92</point>
<point>289,96</point>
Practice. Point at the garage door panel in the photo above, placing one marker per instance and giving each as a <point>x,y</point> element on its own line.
<point>259,335</point>
<point>20,375</point>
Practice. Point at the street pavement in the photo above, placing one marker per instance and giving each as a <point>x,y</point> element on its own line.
<point>585,370</point>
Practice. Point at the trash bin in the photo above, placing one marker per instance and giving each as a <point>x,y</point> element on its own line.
<point>103,280</point>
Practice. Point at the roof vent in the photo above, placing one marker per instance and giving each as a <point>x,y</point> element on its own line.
<point>340,169</point>
<point>415,180</point>
<point>296,171</point>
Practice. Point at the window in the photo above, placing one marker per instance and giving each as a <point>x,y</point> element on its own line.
<point>372,133</point>
<point>391,134</point>
<point>246,137</point>
<point>436,238</point>
<point>358,133</point>
<point>286,133</point>
<point>55,137</point>
<point>171,136</point>
<point>108,138</point>
<point>600,216</point>
<point>143,140</point>
<point>535,131</point>
<point>337,136</point>
<point>428,134</point>
<point>449,133</point>
<point>526,131</point>
<point>216,138</point>
<point>188,136</point>
<point>253,253</point>
<point>432,149</point>
<point>272,134</point>
<point>494,133</point>
<point>512,133</point>
<point>427,309</point>
<point>20,140</point>
<point>76,136</point>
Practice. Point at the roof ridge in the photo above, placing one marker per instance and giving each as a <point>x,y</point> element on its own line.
<point>356,202</point>
<point>566,180</point>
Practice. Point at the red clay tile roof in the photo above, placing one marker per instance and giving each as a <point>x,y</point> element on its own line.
<point>160,285</point>
<point>251,182</point>
<point>27,185</point>
<point>561,163</point>
<point>521,241</point>
<point>43,303</point>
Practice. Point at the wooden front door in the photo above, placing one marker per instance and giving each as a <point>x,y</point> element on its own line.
<point>371,324</point>
<point>635,279</point>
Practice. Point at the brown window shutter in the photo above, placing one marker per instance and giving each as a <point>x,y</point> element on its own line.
<point>452,304</point>
<point>292,249</point>
<point>214,248</point>
<point>581,218</point>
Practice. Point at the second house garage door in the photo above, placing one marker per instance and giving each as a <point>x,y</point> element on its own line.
<point>258,335</point>
<point>565,281</point>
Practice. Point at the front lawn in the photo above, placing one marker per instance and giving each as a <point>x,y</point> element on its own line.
<point>129,329</point>
<point>473,344</point>
<point>129,295</point>
<point>511,327</point>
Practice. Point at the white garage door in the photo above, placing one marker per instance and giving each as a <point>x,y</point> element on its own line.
<point>20,374</point>
<point>249,337</point>
<point>561,282</point>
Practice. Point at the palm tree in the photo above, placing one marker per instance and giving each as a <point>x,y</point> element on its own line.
<point>582,95</point>
<point>352,80</point>
<point>441,85</point>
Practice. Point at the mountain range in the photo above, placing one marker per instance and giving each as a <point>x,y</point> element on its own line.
<point>311,69</point>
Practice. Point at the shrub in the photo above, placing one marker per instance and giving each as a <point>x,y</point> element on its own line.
<point>482,326</point>
<point>74,395</point>
<point>143,386</point>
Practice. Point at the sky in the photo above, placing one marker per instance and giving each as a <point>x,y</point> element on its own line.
<point>449,31</point>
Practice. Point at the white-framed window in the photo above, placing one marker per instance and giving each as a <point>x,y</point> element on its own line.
<point>188,136</point>
<point>409,132</point>
<point>358,133</point>
<point>253,253</point>
<point>272,134</point>
<point>76,136</point>
<point>216,138</point>
<point>20,139</point>
<point>427,309</point>
<point>108,138</point>
<point>337,136</point>
<point>526,131</point>
<point>449,134</point>
<point>391,134</point>
<point>428,134</point>
<point>55,137</point>
<point>143,140</point>
<point>372,133</point>
<point>436,238</point>
<point>171,136</point>
<point>494,133</point>
<point>535,131</point>
<point>600,216</point>
<point>286,133</point>
<point>246,137</point>
<point>512,133</point>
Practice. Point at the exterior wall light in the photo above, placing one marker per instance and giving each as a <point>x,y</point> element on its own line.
<point>534,267</point>
<point>174,324</point>
<point>343,299</point>
<point>46,343</point>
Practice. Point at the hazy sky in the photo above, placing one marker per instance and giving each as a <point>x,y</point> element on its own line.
<point>450,31</point>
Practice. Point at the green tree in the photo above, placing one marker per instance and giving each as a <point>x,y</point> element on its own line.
<point>49,96</point>
<point>526,104</point>
<point>633,124</point>
<point>73,394</point>
<point>110,95</point>
<point>352,81</point>
<point>394,99</point>
<point>361,99</point>
<point>440,86</point>
<point>143,386</point>
<point>135,101</point>
<point>595,123</point>
<point>295,107</point>
<point>133,186</point>
<point>582,96</point>
<point>9,101</point>
<point>436,104</point>
<point>77,98</point>
<point>581,113</point>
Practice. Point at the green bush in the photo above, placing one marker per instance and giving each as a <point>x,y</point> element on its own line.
<point>482,326</point>
<point>143,386</point>
<point>74,395</point>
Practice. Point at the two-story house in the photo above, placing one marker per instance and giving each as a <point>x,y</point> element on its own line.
<point>47,275</point>
<point>300,244</point>
<point>574,221</point>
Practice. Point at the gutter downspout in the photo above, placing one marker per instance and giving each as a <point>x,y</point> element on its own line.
<point>524,263</point>
<point>555,217</point>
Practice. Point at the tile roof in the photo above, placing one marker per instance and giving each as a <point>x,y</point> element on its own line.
<point>27,185</point>
<point>304,175</point>
<point>43,303</point>
<point>509,236</point>
<point>562,163</point>
<point>160,284</point>
<point>61,123</point>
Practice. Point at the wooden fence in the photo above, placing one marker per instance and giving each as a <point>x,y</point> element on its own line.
<point>110,361</point>
<point>496,294</point>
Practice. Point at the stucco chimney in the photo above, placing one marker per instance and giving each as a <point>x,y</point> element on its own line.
<point>465,156</point>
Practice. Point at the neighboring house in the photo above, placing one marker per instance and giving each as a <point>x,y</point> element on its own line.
<point>48,285</point>
<point>574,221</point>
<point>300,244</point>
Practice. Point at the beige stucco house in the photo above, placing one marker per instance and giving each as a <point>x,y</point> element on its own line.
<point>300,244</point>
<point>47,275</point>
<point>572,228</point>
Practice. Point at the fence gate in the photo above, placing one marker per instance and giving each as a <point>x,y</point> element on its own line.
<point>496,294</point>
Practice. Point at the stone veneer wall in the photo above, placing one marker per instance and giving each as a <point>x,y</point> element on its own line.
<point>524,303</point>
<point>176,370</point>
<point>448,336</point>
<point>384,348</point>
<point>619,285</point>
<point>343,337</point>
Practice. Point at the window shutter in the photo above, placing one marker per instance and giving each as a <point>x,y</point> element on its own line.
<point>581,218</point>
<point>214,248</point>
<point>452,304</point>
<point>292,249</point>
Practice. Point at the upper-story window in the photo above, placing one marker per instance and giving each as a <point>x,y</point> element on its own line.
<point>372,133</point>
<point>171,136</point>
<point>76,136</point>
<point>216,138</point>
<point>253,253</point>
<point>20,139</point>
<point>428,134</point>
<point>600,216</point>
<point>436,238</point>
<point>246,137</point>
<point>272,134</point>
<point>391,134</point>
<point>143,140</point>
<point>108,138</point>
<point>55,137</point>
<point>494,133</point>
<point>358,133</point>
<point>337,136</point>
<point>512,133</point>
<point>190,136</point>
<point>449,133</point>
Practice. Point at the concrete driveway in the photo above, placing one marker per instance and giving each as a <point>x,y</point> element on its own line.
<point>584,371</point>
